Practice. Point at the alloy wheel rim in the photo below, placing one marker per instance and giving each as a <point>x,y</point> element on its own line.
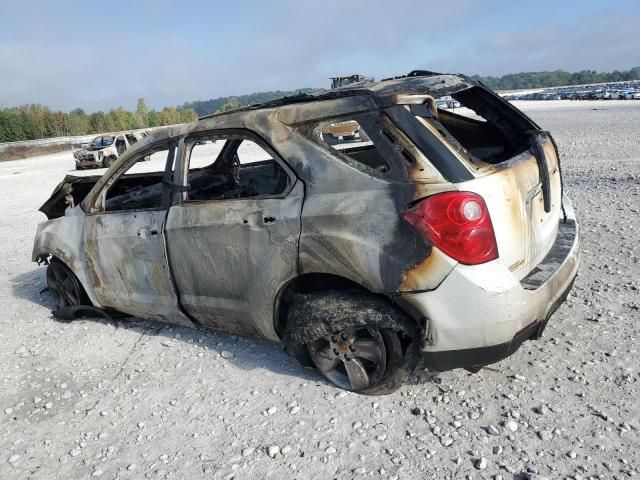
<point>353,359</point>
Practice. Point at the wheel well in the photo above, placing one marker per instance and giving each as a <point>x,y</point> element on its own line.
<point>48,258</point>
<point>309,283</point>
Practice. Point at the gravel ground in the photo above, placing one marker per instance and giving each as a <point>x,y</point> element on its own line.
<point>144,400</point>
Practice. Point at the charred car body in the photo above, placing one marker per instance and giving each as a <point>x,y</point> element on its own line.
<point>443,235</point>
<point>104,150</point>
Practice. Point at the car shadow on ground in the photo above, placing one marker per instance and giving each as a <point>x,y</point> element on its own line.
<point>244,352</point>
<point>247,353</point>
<point>32,286</point>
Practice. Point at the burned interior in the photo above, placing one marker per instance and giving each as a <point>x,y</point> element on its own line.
<point>232,172</point>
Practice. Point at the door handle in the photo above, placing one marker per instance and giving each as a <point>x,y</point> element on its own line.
<point>253,219</point>
<point>257,219</point>
<point>146,232</point>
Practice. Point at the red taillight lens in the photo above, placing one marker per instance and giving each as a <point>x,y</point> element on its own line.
<point>458,223</point>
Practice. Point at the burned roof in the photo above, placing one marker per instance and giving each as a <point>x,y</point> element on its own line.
<point>416,82</point>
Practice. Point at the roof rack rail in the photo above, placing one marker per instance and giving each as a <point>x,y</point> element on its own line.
<point>299,98</point>
<point>422,73</point>
<point>413,73</point>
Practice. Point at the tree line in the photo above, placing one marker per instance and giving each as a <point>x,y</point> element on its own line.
<point>223,104</point>
<point>556,78</point>
<point>29,122</point>
<point>511,81</point>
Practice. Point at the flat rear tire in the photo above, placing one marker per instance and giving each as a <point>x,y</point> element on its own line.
<point>357,341</point>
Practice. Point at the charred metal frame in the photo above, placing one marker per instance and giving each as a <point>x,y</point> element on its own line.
<point>336,220</point>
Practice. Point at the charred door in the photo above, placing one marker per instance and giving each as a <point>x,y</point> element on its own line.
<point>229,258</point>
<point>232,238</point>
<point>124,242</point>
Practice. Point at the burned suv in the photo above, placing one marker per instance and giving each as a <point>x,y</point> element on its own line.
<point>104,150</point>
<point>443,235</point>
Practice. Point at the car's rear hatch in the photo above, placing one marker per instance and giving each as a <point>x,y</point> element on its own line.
<point>516,193</point>
<point>511,163</point>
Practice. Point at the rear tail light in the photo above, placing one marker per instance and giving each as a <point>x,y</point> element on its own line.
<point>458,223</point>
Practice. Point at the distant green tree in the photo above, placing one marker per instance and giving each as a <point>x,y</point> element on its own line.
<point>119,119</point>
<point>97,122</point>
<point>207,107</point>
<point>153,119</point>
<point>186,116</point>
<point>556,78</point>
<point>168,116</point>
<point>231,104</point>
<point>12,125</point>
<point>142,112</point>
<point>77,122</point>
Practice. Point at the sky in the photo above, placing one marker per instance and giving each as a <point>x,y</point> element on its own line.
<point>101,55</point>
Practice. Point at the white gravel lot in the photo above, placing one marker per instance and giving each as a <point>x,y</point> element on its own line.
<point>145,400</point>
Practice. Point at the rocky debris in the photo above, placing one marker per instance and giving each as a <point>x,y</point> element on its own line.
<point>534,476</point>
<point>273,451</point>
<point>545,435</point>
<point>248,451</point>
<point>541,410</point>
<point>491,430</point>
<point>511,425</point>
<point>446,441</point>
<point>154,401</point>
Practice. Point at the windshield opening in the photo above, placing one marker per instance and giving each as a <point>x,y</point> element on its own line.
<point>101,142</point>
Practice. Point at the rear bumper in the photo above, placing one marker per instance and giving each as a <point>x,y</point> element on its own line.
<point>482,314</point>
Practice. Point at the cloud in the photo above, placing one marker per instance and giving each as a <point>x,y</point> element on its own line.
<point>73,54</point>
<point>604,41</point>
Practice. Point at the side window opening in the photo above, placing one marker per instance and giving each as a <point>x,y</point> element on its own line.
<point>141,185</point>
<point>233,167</point>
<point>373,142</point>
<point>350,138</point>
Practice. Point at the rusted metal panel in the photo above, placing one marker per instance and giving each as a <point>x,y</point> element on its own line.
<point>230,258</point>
<point>126,257</point>
<point>62,238</point>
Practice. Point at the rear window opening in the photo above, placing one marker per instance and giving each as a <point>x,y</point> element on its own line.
<point>482,125</point>
<point>350,138</point>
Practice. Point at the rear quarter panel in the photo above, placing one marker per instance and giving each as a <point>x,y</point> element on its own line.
<point>352,226</point>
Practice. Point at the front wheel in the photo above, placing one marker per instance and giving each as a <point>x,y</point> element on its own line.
<point>110,160</point>
<point>65,286</point>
